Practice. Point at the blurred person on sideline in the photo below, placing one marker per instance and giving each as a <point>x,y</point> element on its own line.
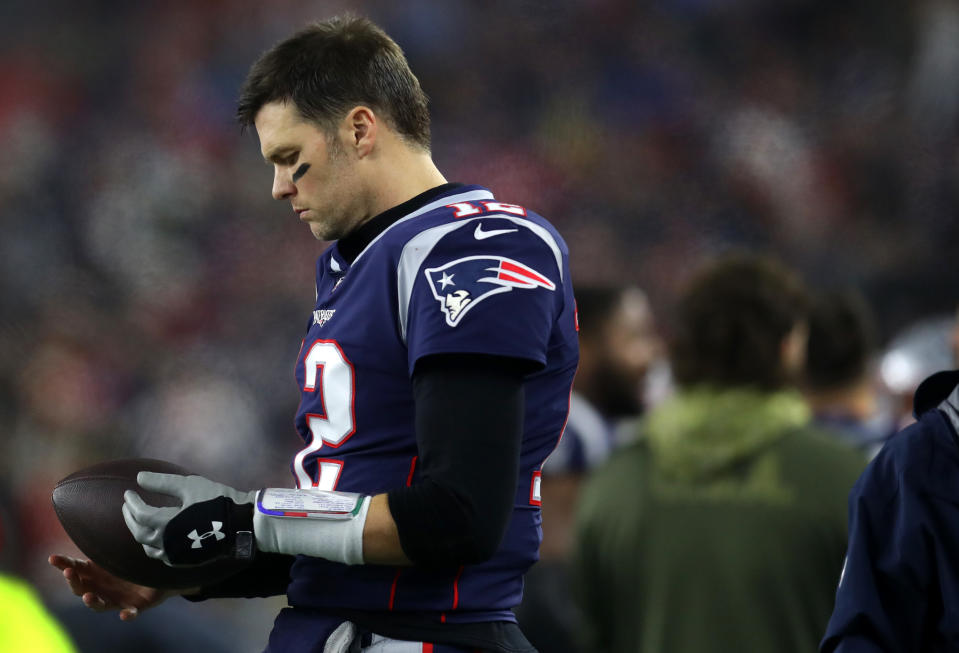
<point>618,344</point>
<point>722,527</point>
<point>899,584</point>
<point>838,382</point>
<point>435,374</point>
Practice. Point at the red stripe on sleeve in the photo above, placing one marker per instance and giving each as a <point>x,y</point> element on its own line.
<point>409,479</point>
<point>456,587</point>
<point>396,579</point>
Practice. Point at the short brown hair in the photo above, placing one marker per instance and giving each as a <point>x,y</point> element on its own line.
<point>842,339</point>
<point>332,66</point>
<point>595,305</point>
<point>732,320</point>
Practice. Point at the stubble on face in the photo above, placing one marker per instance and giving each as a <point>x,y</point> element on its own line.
<point>331,195</point>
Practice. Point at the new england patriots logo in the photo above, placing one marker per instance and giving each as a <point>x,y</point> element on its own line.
<point>463,283</point>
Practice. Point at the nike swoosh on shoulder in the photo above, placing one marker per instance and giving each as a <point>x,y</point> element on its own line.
<point>480,234</point>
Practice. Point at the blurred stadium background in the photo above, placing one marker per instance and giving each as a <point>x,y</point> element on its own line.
<point>152,295</point>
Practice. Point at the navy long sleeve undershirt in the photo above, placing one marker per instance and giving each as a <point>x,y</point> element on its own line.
<point>469,424</point>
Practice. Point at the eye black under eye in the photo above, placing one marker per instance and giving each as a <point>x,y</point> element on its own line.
<point>300,172</point>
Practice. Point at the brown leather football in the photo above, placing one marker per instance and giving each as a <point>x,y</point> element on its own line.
<point>88,505</point>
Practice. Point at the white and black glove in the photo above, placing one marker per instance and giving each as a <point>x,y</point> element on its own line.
<point>213,521</point>
<point>216,521</point>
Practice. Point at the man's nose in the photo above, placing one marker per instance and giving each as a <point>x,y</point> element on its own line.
<point>283,186</point>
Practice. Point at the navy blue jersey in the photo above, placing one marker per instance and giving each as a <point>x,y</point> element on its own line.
<point>462,274</point>
<point>899,590</point>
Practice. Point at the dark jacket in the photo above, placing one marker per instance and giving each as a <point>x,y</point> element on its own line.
<point>900,584</point>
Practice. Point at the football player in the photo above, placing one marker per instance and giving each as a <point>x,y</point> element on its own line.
<point>435,373</point>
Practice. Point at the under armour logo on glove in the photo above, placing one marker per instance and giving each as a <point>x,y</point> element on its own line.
<point>198,539</point>
<point>183,543</point>
<point>214,520</point>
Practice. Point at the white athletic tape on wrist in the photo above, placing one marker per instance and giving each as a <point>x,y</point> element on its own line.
<point>311,522</point>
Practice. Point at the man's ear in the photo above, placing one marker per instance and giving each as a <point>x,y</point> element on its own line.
<point>792,350</point>
<point>361,127</point>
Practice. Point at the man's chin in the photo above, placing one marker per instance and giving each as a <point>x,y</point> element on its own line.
<point>322,234</point>
<point>328,230</point>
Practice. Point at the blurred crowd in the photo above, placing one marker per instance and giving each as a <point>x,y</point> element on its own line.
<point>153,296</point>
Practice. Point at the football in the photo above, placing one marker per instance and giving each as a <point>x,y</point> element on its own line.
<point>88,505</point>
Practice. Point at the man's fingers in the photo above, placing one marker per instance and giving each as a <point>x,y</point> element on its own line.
<point>72,569</point>
<point>139,509</point>
<point>73,580</point>
<point>94,602</point>
<point>149,538</point>
<point>155,552</point>
<point>89,593</point>
<point>144,514</point>
<point>62,562</point>
<point>145,535</point>
<point>163,483</point>
<point>190,489</point>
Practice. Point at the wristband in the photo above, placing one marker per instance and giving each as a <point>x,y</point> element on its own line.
<point>311,522</point>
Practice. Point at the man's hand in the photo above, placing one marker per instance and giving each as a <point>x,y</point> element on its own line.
<point>102,591</point>
<point>213,520</point>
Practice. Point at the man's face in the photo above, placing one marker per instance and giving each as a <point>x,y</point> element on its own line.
<point>311,170</point>
<point>629,346</point>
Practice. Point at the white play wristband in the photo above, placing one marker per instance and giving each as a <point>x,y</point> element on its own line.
<point>311,522</point>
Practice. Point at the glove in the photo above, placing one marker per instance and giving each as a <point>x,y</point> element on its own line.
<point>214,521</point>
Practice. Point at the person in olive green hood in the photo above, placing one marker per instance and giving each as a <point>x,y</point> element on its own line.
<point>723,526</point>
